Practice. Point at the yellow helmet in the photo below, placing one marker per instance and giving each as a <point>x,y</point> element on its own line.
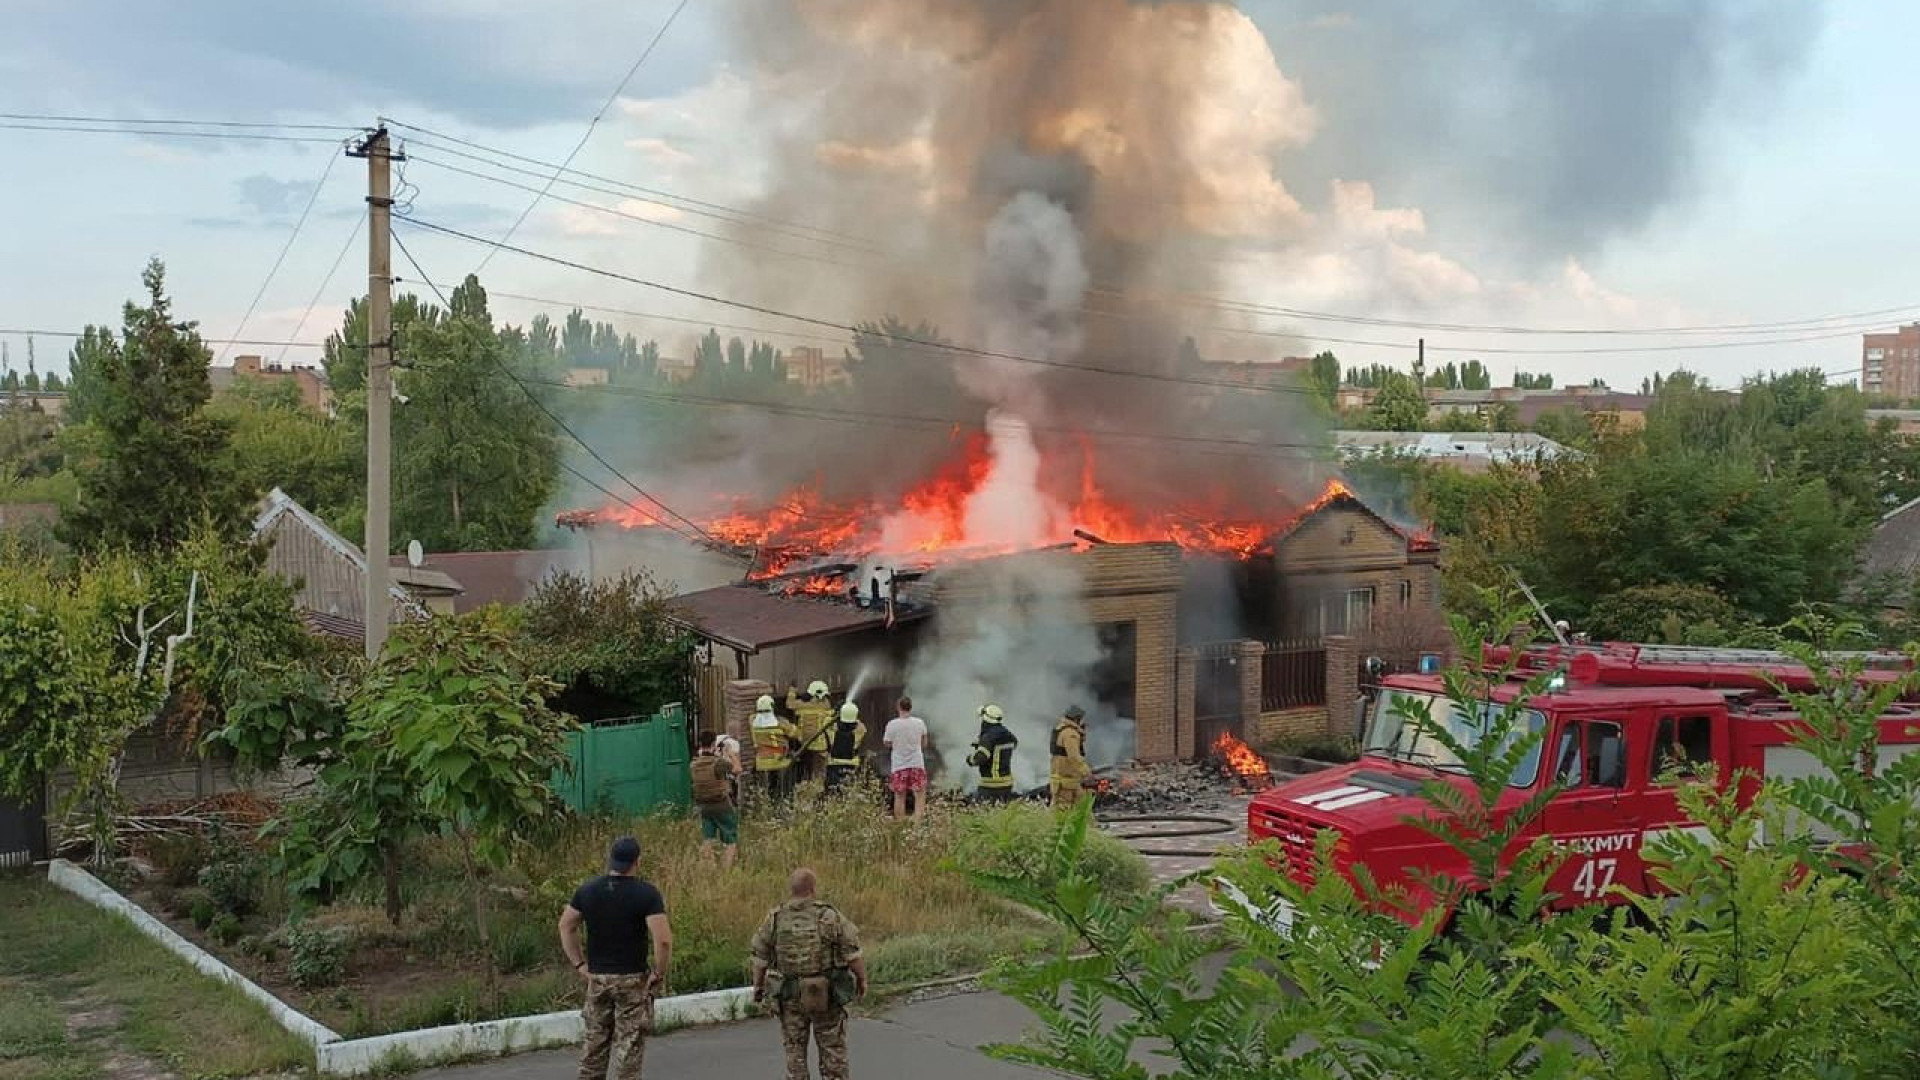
<point>849,713</point>
<point>992,713</point>
<point>817,690</point>
<point>764,703</point>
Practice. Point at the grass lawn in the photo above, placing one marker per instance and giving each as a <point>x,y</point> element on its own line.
<point>87,995</point>
<point>919,918</point>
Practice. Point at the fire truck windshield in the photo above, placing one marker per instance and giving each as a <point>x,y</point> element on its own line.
<point>1396,731</point>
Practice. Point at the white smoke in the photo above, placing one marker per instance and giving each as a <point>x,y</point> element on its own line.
<point>1024,645</point>
<point>1021,638</point>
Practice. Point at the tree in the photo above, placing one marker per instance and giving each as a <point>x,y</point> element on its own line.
<point>1526,380</point>
<point>450,734</point>
<point>1667,614</point>
<point>1398,405</point>
<point>1323,374</point>
<point>156,472</point>
<point>275,440</point>
<point>608,644</point>
<point>52,382</point>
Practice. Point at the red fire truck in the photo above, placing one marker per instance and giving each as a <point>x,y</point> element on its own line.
<point>1620,721</point>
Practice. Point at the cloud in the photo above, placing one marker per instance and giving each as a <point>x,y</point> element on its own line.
<point>661,151</point>
<point>269,196</point>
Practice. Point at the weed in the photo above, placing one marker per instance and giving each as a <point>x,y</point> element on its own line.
<point>202,911</point>
<point>225,928</point>
<point>234,883</point>
<point>1020,840</point>
<point>178,858</point>
<point>315,957</point>
<point>1317,747</point>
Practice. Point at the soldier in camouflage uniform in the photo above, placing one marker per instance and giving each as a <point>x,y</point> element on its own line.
<point>804,939</point>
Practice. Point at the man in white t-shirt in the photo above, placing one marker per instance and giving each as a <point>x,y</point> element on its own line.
<point>906,737</point>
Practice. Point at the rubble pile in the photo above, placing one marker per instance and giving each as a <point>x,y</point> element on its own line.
<point>1183,788</point>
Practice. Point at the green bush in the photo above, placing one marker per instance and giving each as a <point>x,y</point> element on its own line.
<point>180,902</point>
<point>202,911</point>
<point>225,928</point>
<point>178,858</point>
<point>233,881</point>
<point>1019,840</point>
<point>1316,747</point>
<point>315,957</point>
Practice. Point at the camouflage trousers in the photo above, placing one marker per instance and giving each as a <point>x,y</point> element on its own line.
<point>829,1030</point>
<point>619,1016</point>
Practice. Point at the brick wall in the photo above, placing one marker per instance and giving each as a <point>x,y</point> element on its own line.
<point>1269,726</point>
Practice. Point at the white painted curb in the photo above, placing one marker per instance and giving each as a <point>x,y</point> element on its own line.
<point>499,1037</point>
<point>67,876</point>
<point>334,1056</point>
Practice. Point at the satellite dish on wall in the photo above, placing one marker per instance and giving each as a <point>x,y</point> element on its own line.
<point>415,554</point>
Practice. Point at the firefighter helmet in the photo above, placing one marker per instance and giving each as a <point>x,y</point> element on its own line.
<point>849,713</point>
<point>764,704</point>
<point>1075,713</point>
<point>992,714</point>
<point>817,690</point>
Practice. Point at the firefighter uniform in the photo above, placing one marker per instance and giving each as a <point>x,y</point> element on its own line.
<point>1070,769</point>
<point>807,939</point>
<point>843,746</point>
<point>813,717</point>
<point>772,748</point>
<point>993,756</point>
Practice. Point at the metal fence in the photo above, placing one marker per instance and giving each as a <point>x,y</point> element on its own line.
<point>1216,693</point>
<point>1293,675</point>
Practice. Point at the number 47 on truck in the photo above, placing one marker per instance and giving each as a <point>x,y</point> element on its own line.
<point>1619,727</point>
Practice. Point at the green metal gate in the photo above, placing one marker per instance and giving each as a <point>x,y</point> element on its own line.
<point>632,768</point>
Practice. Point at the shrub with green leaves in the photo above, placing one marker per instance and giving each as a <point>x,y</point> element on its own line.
<point>315,957</point>
<point>1020,840</point>
<point>232,881</point>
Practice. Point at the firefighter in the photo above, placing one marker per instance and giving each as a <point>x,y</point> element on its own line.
<point>843,747</point>
<point>772,748</point>
<point>993,756</point>
<point>1070,771</point>
<point>813,717</point>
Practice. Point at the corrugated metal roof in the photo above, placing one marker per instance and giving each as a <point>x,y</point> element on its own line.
<point>750,619</point>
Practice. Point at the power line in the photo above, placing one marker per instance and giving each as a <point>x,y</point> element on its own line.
<point>588,134</point>
<point>332,159</point>
<point>551,415</point>
<point>204,340</point>
<point>928,344</point>
<point>170,134</point>
<point>326,281</point>
<point>704,208</point>
<point>59,118</point>
<point>1245,447</point>
<point>415,155</point>
<point>1184,299</point>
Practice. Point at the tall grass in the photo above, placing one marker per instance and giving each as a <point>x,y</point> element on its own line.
<point>918,916</point>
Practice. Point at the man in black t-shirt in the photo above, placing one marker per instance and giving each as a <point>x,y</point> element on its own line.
<point>621,912</point>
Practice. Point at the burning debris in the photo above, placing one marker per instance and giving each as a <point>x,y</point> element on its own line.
<point>1242,763</point>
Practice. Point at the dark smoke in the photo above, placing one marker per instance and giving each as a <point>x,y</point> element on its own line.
<point>1548,128</point>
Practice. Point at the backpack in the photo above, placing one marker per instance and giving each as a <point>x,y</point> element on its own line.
<point>800,956</point>
<point>710,781</point>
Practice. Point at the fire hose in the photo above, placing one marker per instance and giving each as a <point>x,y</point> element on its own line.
<point>1198,825</point>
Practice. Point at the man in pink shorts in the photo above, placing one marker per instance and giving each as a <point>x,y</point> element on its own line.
<point>906,737</point>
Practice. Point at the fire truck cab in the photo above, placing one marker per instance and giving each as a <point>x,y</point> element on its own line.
<point>1622,726</point>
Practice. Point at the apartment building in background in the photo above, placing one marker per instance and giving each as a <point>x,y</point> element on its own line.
<point>1890,363</point>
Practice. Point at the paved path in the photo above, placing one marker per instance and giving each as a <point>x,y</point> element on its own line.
<point>928,1040</point>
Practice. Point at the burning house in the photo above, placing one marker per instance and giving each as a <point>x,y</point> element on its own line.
<point>1030,487</point>
<point>1113,626</point>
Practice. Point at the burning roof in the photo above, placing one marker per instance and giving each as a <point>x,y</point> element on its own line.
<point>804,544</point>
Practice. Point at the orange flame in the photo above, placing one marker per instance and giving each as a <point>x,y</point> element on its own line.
<point>930,518</point>
<point>1242,759</point>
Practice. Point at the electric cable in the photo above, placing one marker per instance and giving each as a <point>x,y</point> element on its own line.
<point>314,302</point>
<point>300,223</point>
<point>62,118</point>
<point>709,538</point>
<point>70,129</point>
<point>588,134</point>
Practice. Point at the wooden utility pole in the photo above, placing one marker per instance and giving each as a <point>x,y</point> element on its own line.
<point>377,149</point>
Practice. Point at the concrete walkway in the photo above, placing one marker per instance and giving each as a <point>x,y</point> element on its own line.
<point>930,1040</point>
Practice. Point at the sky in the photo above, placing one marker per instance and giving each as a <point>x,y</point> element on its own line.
<point>1642,163</point>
